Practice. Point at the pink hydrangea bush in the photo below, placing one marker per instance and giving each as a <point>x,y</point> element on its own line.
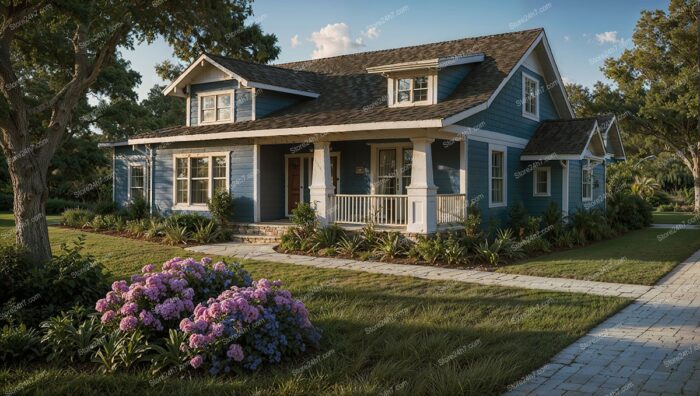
<point>246,327</point>
<point>158,300</point>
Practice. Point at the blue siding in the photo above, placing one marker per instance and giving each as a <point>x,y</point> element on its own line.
<point>242,179</point>
<point>537,205</point>
<point>478,160</point>
<point>124,156</point>
<point>449,78</point>
<point>268,102</point>
<point>505,113</point>
<point>243,103</point>
<point>354,154</point>
<point>446,166</point>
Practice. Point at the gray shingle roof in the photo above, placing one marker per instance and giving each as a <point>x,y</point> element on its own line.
<point>560,137</point>
<point>349,95</point>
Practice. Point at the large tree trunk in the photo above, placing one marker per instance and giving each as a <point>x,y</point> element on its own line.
<point>696,182</point>
<point>30,196</point>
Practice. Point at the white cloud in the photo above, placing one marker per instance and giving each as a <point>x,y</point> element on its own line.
<point>334,39</point>
<point>567,38</point>
<point>567,80</point>
<point>607,37</point>
<point>294,41</point>
<point>371,32</point>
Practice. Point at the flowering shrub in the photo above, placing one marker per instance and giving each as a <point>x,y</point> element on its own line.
<point>248,326</point>
<point>158,300</point>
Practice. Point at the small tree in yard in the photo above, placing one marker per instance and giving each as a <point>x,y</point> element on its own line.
<point>53,53</point>
<point>221,206</point>
<point>660,79</point>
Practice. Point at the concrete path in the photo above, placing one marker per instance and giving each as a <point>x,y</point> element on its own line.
<point>652,347</point>
<point>677,226</point>
<point>266,253</point>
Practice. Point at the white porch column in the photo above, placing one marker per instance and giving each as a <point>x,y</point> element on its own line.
<point>321,188</point>
<point>463,146</point>
<point>422,200</point>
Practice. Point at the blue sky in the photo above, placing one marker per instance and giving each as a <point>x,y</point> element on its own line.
<point>581,33</point>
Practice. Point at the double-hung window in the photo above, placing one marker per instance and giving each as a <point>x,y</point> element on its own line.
<point>587,181</point>
<point>411,90</point>
<point>137,182</point>
<point>530,98</point>
<point>198,177</point>
<point>497,176</point>
<point>216,108</point>
<point>542,182</point>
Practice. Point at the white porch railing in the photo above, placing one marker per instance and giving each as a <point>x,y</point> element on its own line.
<point>360,209</point>
<point>451,208</point>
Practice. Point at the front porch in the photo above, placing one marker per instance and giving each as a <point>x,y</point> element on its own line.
<point>415,185</point>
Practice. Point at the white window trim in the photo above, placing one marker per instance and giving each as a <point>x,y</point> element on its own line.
<point>586,164</point>
<point>526,114</point>
<point>128,191</point>
<point>535,180</point>
<point>432,90</point>
<point>200,109</point>
<point>374,163</point>
<point>504,150</point>
<point>188,205</point>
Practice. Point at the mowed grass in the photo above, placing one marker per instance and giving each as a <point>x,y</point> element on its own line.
<point>673,218</point>
<point>640,257</point>
<point>380,334</point>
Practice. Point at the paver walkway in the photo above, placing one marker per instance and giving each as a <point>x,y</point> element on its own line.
<point>651,347</point>
<point>265,252</point>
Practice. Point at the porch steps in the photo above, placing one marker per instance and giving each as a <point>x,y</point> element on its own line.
<point>258,232</point>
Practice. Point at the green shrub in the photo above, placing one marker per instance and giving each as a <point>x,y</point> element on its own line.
<point>19,344</point>
<point>77,218</point>
<point>170,355</point>
<point>565,239</point>
<point>552,217</point>
<point>370,236</point>
<point>427,249</point>
<point>665,208</point>
<point>391,245</point>
<point>518,218</point>
<point>326,237</point>
<point>121,350</point>
<point>537,245</point>
<point>472,223</point>
<point>71,336</point>
<point>191,221</point>
<point>174,234</point>
<point>589,226</point>
<point>105,207</point>
<point>36,293</point>
<point>301,237</point>
<point>350,245</point>
<point>137,209</point>
<point>304,217</point>
<point>206,232</point>
<point>154,228</point>
<point>453,251</point>
<point>221,206</point>
<point>626,211</point>
<point>58,206</point>
<point>660,197</point>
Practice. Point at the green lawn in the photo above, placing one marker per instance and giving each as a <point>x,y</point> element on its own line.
<point>380,334</point>
<point>638,257</point>
<point>673,218</point>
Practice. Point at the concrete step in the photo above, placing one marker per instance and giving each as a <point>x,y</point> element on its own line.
<point>271,230</point>
<point>248,238</point>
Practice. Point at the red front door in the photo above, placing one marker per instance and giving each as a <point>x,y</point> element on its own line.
<point>293,183</point>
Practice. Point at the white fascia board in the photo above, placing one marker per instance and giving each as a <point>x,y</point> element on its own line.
<point>436,63</point>
<point>460,60</point>
<point>486,136</point>
<point>112,144</point>
<point>252,84</point>
<point>560,82</point>
<point>171,88</point>
<point>311,130</point>
<point>551,157</point>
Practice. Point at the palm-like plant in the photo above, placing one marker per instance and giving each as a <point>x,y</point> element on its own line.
<point>644,186</point>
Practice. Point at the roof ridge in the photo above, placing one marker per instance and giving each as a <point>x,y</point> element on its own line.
<point>411,46</point>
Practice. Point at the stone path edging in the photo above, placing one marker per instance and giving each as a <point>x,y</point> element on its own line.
<point>266,252</point>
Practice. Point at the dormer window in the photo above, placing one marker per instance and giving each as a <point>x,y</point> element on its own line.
<point>216,108</point>
<point>411,91</point>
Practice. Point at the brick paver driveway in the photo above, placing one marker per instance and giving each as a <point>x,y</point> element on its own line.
<point>652,347</point>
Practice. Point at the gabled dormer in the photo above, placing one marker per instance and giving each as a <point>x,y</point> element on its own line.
<point>220,90</point>
<point>425,82</point>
